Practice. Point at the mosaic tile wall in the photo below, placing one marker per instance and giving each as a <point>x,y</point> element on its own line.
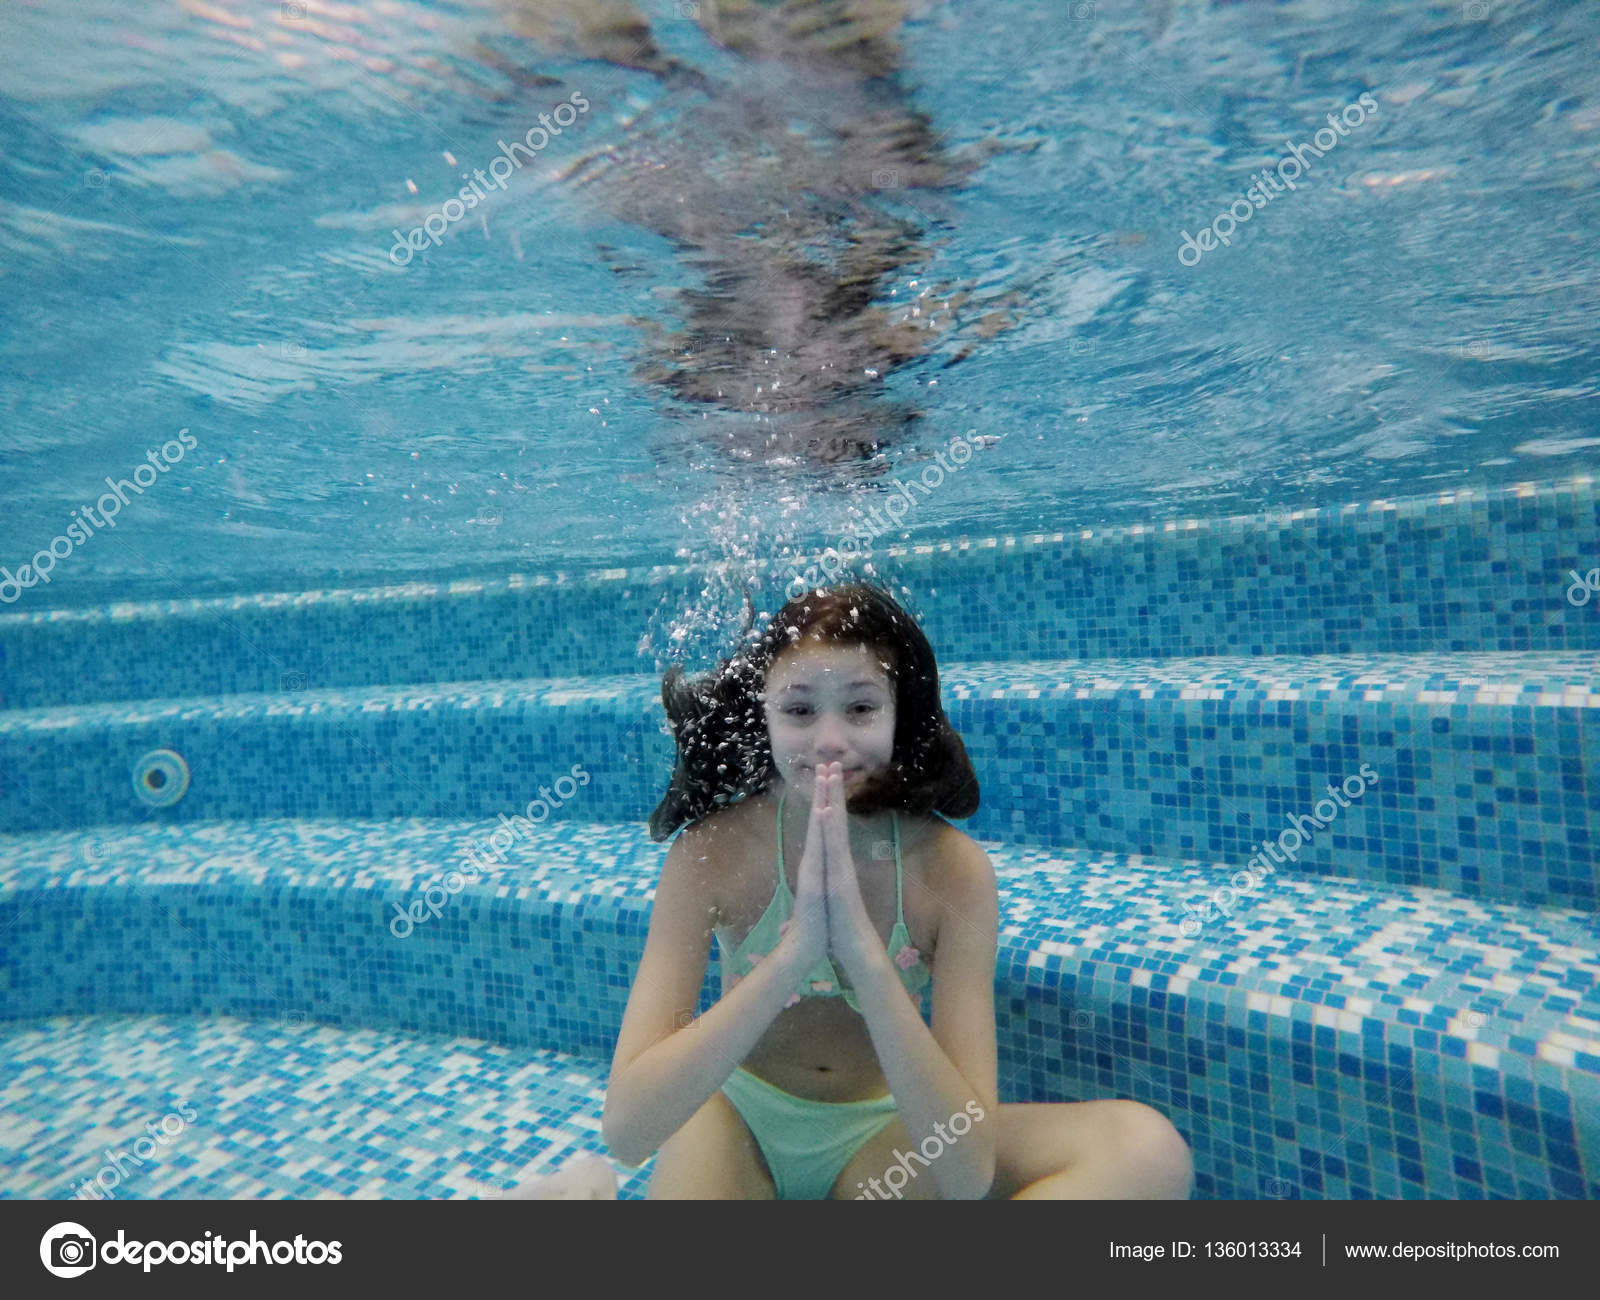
<point>1323,1040</point>
<point>360,1115</point>
<point>1486,767</point>
<point>298,921</point>
<point>1449,572</point>
<point>1409,1008</point>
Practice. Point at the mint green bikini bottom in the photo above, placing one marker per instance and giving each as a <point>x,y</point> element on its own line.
<point>806,1143</point>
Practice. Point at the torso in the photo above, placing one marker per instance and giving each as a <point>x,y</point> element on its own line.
<point>819,1048</point>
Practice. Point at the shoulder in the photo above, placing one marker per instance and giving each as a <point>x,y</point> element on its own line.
<point>960,882</point>
<point>717,829</point>
<point>962,878</point>
<point>716,850</point>
<point>957,866</point>
<point>948,851</point>
<point>963,854</point>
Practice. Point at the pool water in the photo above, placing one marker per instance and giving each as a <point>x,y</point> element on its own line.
<point>983,240</point>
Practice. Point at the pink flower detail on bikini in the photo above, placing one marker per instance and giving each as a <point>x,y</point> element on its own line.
<point>793,998</point>
<point>784,928</point>
<point>907,957</point>
<point>822,986</point>
<point>754,957</point>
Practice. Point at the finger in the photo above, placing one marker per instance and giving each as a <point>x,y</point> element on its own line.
<point>836,812</point>
<point>818,825</point>
<point>838,828</point>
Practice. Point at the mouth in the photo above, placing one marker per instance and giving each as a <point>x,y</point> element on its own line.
<point>850,773</point>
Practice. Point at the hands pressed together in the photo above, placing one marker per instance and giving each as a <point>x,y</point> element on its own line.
<point>830,918</point>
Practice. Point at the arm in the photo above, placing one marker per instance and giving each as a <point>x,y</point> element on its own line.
<point>667,1062</point>
<point>934,1075</point>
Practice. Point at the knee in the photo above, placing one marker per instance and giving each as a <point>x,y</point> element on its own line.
<point>1155,1149</point>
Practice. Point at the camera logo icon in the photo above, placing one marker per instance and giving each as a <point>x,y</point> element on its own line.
<point>67,1250</point>
<point>93,850</point>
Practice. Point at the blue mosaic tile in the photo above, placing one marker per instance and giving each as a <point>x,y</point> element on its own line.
<point>1407,1005</point>
<point>219,1108</point>
<point>1449,572</point>
<point>291,923</point>
<point>1171,758</point>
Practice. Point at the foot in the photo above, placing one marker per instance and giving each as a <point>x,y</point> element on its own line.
<point>588,1178</point>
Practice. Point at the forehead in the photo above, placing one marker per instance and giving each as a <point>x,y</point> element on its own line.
<point>827,668</point>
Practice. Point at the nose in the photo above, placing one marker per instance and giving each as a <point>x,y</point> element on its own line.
<point>830,741</point>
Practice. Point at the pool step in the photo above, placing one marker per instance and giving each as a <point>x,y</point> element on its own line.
<point>268,1109</point>
<point>1443,573</point>
<point>1145,706</point>
<point>1309,1036</point>
<point>1477,773</point>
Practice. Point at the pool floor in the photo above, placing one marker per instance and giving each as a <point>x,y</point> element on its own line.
<point>182,1107</point>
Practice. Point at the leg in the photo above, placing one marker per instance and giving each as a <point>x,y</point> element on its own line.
<point>888,1167</point>
<point>868,1174</point>
<point>712,1157</point>
<point>587,1178</point>
<point>1088,1150</point>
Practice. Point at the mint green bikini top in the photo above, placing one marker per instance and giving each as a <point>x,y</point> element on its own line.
<point>825,979</point>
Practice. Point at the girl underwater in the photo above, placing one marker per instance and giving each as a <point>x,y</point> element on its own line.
<point>815,1076</point>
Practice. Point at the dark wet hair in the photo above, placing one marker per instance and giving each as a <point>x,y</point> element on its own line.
<point>719,722</point>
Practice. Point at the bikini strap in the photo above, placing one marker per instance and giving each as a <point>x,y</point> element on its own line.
<point>899,906</point>
<point>783,878</point>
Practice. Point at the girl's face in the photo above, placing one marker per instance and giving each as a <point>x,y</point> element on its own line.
<point>827,704</point>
